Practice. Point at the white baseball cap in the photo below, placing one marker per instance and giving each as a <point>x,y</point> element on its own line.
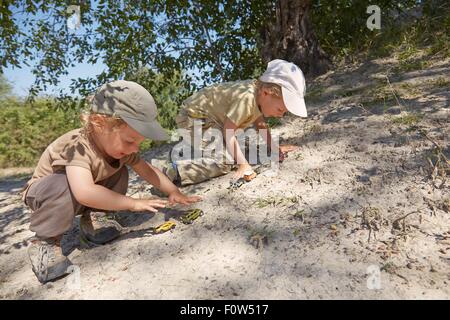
<point>292,82</point>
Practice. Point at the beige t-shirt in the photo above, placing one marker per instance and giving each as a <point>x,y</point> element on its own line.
<point>75,149</point>
<point>235,100</point>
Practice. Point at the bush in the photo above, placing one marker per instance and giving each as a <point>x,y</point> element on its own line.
<point>168,90</point>
<point>27,129</point>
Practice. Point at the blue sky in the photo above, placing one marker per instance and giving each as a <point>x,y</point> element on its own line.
<point>22,79</point>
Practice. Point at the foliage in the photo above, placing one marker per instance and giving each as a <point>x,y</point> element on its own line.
<point>206,38</point>
<point>168,90</point>
<point>28,129</point>
<point>5,87</point>
<point>406,25</point>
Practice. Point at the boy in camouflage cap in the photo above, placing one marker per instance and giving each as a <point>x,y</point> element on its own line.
<point>85,171</point>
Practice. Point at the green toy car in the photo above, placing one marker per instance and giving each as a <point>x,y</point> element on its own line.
<point>192,215</point>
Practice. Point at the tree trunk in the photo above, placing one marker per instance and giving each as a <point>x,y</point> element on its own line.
<point>291,37</point>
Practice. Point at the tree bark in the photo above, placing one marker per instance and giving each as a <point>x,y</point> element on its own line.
<point>291,37</point>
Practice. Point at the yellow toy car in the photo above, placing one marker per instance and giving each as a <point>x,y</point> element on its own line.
<point>164,227</point>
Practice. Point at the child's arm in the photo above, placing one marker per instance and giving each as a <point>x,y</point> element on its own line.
<point>229,129</point>
<point>156,178</point>
<point>260,123</point>
<point>92,195</point>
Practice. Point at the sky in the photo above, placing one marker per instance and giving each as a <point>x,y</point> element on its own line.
<point>22,79</point>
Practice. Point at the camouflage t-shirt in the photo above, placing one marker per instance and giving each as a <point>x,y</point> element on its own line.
<point>234,100</point>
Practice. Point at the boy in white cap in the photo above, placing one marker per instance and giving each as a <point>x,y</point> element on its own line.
<point>84,171</point>
<point>237,105</point>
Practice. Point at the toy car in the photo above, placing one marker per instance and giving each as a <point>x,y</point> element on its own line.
<point>249,175</point>
<point>189,217</point>
<point>164,227</point>
<point>235,184</point>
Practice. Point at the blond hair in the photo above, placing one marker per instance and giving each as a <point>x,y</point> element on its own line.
<point>91,120</point>
<point>273,88</point>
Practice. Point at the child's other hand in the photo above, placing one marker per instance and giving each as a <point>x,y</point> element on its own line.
<point>241,171</point>
<point>284,149</point>
<point>178,197</point>
<point>148,204</point>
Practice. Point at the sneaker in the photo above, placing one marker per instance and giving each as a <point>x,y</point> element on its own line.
<point>168,168</point>
<point>47,260</point>
<point>98,228</point>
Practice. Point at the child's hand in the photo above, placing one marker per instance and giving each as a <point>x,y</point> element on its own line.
<point>284,149</point>
<point>178,197</point>
<point>148,205</point>
<point>241,170</point>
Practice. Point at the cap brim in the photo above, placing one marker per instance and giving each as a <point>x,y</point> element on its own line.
<point>152,130</point>
<point>294,103</point>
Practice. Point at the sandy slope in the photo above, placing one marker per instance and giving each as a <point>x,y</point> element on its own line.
<point>357,172</point>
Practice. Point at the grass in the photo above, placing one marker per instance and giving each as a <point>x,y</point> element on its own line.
<point>380,92</point>
<point>146,145</point>
<point>410,90</point>
<point>440,82</point>
<point>352,92</point>
<point>431,33</point>
<point>439,163</point>
<point>261,237</point>
<point>315,93</point>
<point>299,157</point>
<point>445,205</point>
<point>410,119</point>
<point>411,65</point>
<point>273,122</point>
<point>315,128</point>
<point>275,201</point>
<point>389,267</point>
<point>299,214</point>
<point>404,37</point>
